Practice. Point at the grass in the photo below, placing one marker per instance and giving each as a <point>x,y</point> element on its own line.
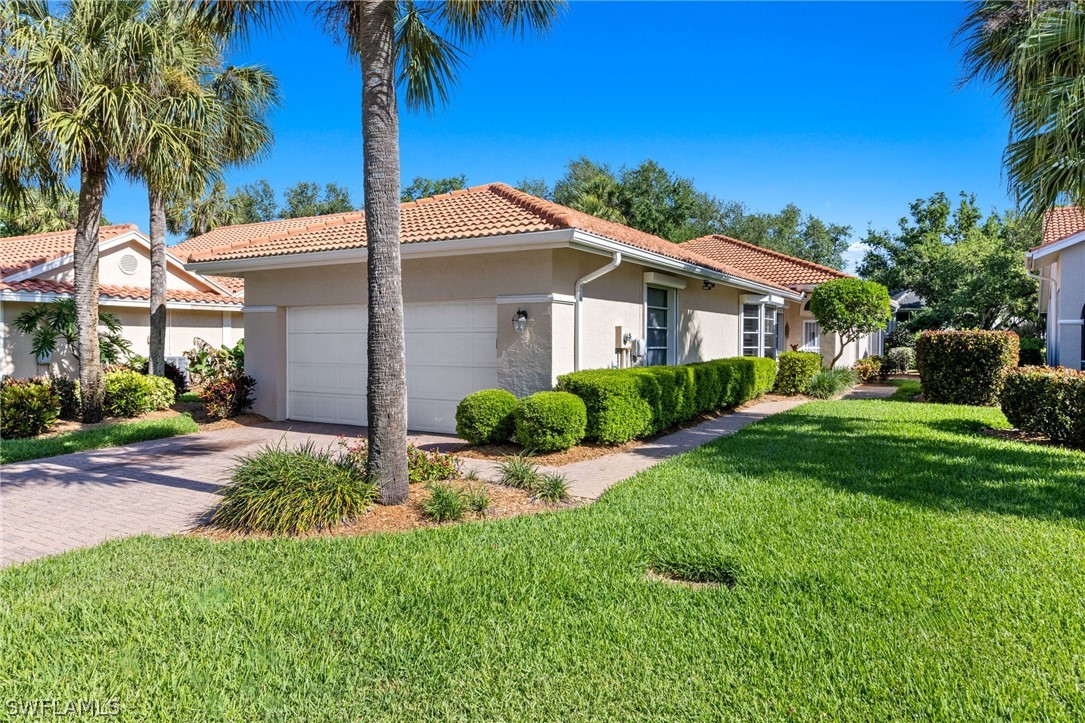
<point>875,560</point>
<point>20,450</point>
<point>906,389</point>
<point>188,397</point>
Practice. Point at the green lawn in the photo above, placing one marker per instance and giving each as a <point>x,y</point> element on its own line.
<point>906,389</point>
<point>20,450</point>
<point>889,562</point>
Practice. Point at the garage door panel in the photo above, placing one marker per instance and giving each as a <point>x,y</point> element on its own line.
<point>451,352</point>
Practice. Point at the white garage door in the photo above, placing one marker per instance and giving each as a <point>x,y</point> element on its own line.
<point>451,352</point>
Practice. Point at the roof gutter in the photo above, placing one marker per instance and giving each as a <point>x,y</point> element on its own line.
<point>578,296</point>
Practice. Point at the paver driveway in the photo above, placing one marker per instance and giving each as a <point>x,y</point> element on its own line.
<point>158,487</point>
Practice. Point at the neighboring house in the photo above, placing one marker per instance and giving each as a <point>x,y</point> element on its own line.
<point>799,331</point>
<point>1059,264</point>
<point>36,269</point>
<point>501,289</point>
<point>908,304</point>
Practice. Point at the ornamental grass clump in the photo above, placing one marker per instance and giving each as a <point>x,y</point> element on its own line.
<point>829,383</point>
<point>293,491</point>
<point>552,487</point>
<point>444,504</point>
<point>517,470</point>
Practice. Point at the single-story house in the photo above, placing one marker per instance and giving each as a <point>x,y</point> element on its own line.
<point>501,289</point>
<point>38,268</point>
<point>1059,265</point>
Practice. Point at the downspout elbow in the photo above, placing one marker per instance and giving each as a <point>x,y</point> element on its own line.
<point>578,300</point>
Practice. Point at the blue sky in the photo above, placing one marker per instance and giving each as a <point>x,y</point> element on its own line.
<point>850,110</point>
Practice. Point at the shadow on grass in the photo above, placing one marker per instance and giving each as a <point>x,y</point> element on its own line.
<point>940,463</point>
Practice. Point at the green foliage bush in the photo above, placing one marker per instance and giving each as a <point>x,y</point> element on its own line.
<point>173,373</point>
<point>422,465</point>
<point>901,337</point>
<point>899,360</point>
<point>965,367</point>
<point>1031,352</point>
<point>444,504</point>
<point>292,491</point>
<point>550,421</point>
<point>28,407</point>
<point>130,394</point>
<point>625,404</point>
<point>230,397</point>
<point>486,417</point>
<point>870,369</point>
<point>1048,401</point>
<point>850,307</point>
<point>796,370</point>
<point>828,383</point>
<point>67,391</point>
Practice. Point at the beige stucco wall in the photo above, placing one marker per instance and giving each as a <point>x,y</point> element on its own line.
<point>793,318</point>
<point>182,325</point>
<point>707,321</point>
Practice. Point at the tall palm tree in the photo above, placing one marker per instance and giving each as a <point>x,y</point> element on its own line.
<point>219,110</point>
<point>421,45</point>
<point>70,102</point>
<point>55,209</point>
<point>1033,53</point>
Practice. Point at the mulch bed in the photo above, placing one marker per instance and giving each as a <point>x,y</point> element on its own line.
<point>1016,435</point>
<point>504,502</point>
<point>195,410</point>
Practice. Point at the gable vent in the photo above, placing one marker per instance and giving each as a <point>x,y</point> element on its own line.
<point>128,264</point>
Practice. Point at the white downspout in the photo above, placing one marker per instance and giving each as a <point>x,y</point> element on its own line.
<point>578,295</point>
<point>1052,348</point>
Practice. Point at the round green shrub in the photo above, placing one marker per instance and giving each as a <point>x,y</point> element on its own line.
<point>899,360</point>
<point>28,407</point>
<point>796,370</point>
<point>550,421</point>
<point>1048,401</point>
<point>291,491</point>
<point>161,393</point>
<point>965,367</point>
<point>127,394</point>
<point>486,417</point>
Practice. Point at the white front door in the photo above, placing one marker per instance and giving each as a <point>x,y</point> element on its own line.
<point>451,352</point>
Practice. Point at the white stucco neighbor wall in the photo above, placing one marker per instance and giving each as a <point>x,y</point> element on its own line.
<point>1065,306</point>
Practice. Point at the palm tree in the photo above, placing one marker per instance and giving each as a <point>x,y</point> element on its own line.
<point>70,101</point>
<point>1033,53</point>
<point>422,44</point>
<point>54,209</point>
<point>220,112</point>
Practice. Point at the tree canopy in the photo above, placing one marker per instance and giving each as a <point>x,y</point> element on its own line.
<point>850,307</point>
<point>41,212</point>
<point>422,187</point>
<point>969,268</point>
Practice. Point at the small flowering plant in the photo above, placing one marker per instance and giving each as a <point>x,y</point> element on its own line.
<point>422,465</point>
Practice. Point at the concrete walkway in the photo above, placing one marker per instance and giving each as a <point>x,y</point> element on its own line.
<point>166,486</point>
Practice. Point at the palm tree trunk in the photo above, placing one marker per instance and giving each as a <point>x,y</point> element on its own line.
<point>387,393</point>
<point>157,353</point>
<point>91,193</point>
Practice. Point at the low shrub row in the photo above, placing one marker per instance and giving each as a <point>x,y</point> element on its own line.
<point>1048,401</point>
<point>130,394</point>
<point>542,422</point>
<point>624,404</point>
<point>28,407</point>
<point>965,367</point>
<point>796,369</point>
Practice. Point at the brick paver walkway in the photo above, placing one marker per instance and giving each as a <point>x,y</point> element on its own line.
<point>165,486</point>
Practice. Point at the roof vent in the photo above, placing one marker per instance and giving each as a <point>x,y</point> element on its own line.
<point>128,264</point>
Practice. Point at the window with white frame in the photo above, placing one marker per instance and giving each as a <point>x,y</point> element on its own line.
<point>760,330</point>
<point>659,326</point>
<point>811,336</point>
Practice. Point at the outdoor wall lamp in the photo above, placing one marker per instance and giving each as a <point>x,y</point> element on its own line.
<point>707,286</point>
<point>519,321</point>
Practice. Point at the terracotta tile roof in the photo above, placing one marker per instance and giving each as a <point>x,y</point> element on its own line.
<point>1061,222</point>
<point>230,283</point>
<point>482,211</point>
<point>108,291</point>
<point>766,263</point>
<point>18,253</point>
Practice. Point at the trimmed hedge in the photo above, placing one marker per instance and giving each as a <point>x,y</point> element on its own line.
<point>28,407</point>
<point>796,370</point>
<point>486,417</point>
<point>130,394</point>
<point>899,360</point>
<point>1032,352</point>
<point>624,404</point>
<point>550,421</point>
<point>1048,401</point>
<point>965,367</point>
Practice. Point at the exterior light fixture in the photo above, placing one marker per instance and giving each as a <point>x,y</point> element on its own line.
<point>707,286</point>
<point>519,321</point>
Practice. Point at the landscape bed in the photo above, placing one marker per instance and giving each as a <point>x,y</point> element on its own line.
<point>859,560</point>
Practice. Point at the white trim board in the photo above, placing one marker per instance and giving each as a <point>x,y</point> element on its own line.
<point>537,299</point>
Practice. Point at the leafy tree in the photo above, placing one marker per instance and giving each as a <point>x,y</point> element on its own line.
<point>305,199</point>
<point>851,308</point>
<point>41,211</point>
<point>591,188</point>
<point>422,187</point>
<point>255,202</point>
<point>1033,52</point>
<point>71,102</point>
<point>969,269</point>
<point>789,231</point>
<point>423,43</point>
<point>537,187</point>
<point>655,201</point>
<point>45,324</point>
